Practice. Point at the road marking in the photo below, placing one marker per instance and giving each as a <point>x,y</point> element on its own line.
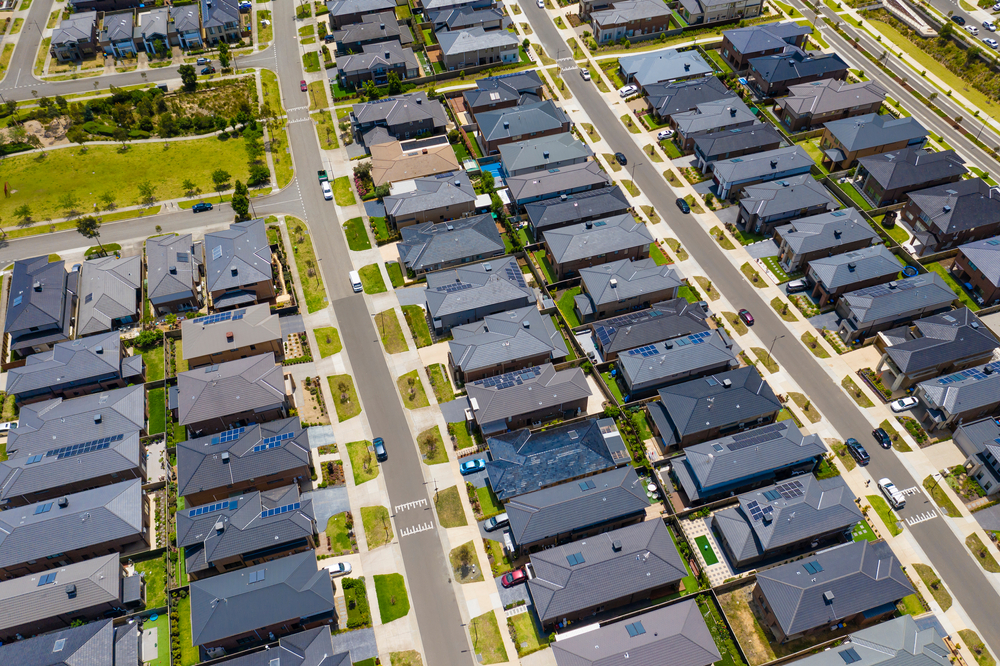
<point>298,108</point>
<point>921,517</point>
<point>516,610</point>
<point>567,67</point>
<point>915,490</point>
<point>300,120</point>
<point>410,505</point>
<point>416,528</point>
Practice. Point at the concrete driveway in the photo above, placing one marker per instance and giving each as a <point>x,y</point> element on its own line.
<point>509,595</point>
<point>495,535</point>
<point>328,502</point>
<point>360,643</point>
<point>292,324</point>
<point>479,478</point>
<point>412,295</point>
<point>728,215</point>
<point>764,248</point>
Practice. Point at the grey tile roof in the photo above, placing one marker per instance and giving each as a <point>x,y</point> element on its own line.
<point>896,642</point>
<point>492,283</point>
<point>201,466</point>
<point>985,254</point>
<point>343,7</point>
<point>868,263</point>
<point>524,391</point>
<point>647,559</point>
<point>530,154</point>
<point>872,130</point>
<point>624,11</point>
<point>402,109</point>
<point>377,26</point>
<point>950,337</point>
<point>108,290</point>
<point>251,383</point>
<point>171,268</point>
<point>576,207</point>
<point>505,337</point>
<point>215,13</point>
<point>92,644</point>
<point>826,231</point>
<point>447,189</point>
<point>505,88</point>
<point>523,461</point>
<point>153,24</point>
<point>671,358</point>
<point>956,207</point>
<point>255,326</point>
<point>681,96</point>
<point>516,121</point>
<point>741,138</point>
<point>91,518</point>
<point>665,65</point>
<point>117,27</point>
<point>233,603</point>
<point>427,245</point>
<point>588,239</point>
<point>828,95</point>
<point>675,634</point>
<point>912,166</point>
<point>237,256</point>
<point>796,64</point>
<point>37,291</point>
<point>186,19</point>
<point>573,506</point>
<point>455,42</point>
<point>766,36</point>
<point>466,17</point>
<point>861,576</point>
<point>624,279</point>
<point>759,165</point>
<point>963,392</point>
<point>244,527</point>
<point>821,506</point>
<point>127,644</point>
<point>661,321</point>
<point>980,436</point>
<point>81,360</point>
<point>555,181</point>
<point>313,647</point>
<point>898,297</point>
<point>77,28</point>
<point>714,115</point>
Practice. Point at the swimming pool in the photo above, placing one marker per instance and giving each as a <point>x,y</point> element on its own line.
<point>495,170</point>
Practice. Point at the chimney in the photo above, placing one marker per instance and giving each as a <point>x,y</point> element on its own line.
<point>423,152</point>
<point>589,225</point>
<point>173,270</point>
<point>97,418</point>
<point>37,286</point>
<point>506,125</point>
<point>225,457</point>
<point>63,502</point>
<point>837,233</point>
<point>229,336</point>
<point>851,267</point>
<point>774,164</point>
<point>616,546</point>
<point>545,154</point>
<point>727,383</point>
<point>614,283</point>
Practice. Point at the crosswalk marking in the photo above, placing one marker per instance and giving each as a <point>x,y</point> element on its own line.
<point>416,528</point>
<point>410,505</point>
<point>913,490</point>
<point>921,517</point>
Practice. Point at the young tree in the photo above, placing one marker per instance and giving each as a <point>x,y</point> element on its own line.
<point>371,91</point>
<point>120,134</point>
<point>24,212</point>
<point>161,48</point>
<point>90,227</point>
<point>188,77</point>
<point>69,203</point>
<point>61,103</point>
<point>395,87</point>
<point>10,107</point>
<point>224,57</point>
<point>36,143</point>
<point>108,199</point>
<point>147,193</point>
<point>220,178</point>
<point>241,202</point>
<point>188,186</point>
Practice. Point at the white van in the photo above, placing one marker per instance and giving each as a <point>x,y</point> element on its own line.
<point>355,281</point>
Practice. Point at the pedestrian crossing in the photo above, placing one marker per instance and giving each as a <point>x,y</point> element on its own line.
<point>921,517</point>
<point>415,529</point>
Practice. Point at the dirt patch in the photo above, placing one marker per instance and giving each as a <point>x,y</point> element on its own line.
<point>736,606</point>
<point>313,408</point>
<point>50,134</point>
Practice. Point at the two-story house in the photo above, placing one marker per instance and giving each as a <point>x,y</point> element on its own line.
<point>232,335</point>
<point>154,32</point>
<point>630,19</point>
<point>116,36</point>
<point>821,235</point>
<point>173,274</point>
<point>710,147</point>
<point>774,75</point>
<point>75,38</point>
<point>696,12</point>
<point>721,115</point>
<point>520,123</point>
<point>755,41</point>
<point>347,12</point>
<point>977,268</point>
<point>40,305</point>
<point>544,153</point>
<point>475,46</point>
<point>764,206</point>
<point>623,286</point>
<point>423,200</point>
<point>221,21</point>
<point>830,277</point>
<point>187,27</point>
<point>501,92</point>
<point>431,247</point>
<point>238,267</point>
<point>665,66</point>
<point>867,311</point>
<point>733,175</point>
<point>666,99</point>
<point>373,29</point>
<point>402,117</point>
<point>809,105</point>
<point>575,247</point>
<point>886,178</point>
<point>376,62</point>
<point>844,141</point>
<point>953,214</point>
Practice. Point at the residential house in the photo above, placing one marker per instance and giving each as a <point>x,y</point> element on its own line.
<point>524,461</point>
<point>520,123</point>
<point>75,528</point>
<point>630,19</point>
<point>623,286</point>
<point>664,66</point>
<point>347,12</point>
<point>886,178</point>
<point>856,585</point>
<point>231,395</point>
<point>696,12</point>
<point>576,510</point>
<point>662,321</point>
<point>74,368</point>
<point>545,153</point>
<point>238,268</point>
<point>504,342</point>
<point>115,36</point>
<point>376,62</point>
<point>813,104</point>
<point>500,92</point>
<point>527,397</point>
<point>464,18</point>
<point>766,205</point>
<point>261,603</point>
<point>75,38</point>
<point>232,335</point>
<point>732,175</point>
<point>845,141</point>
<point>964,397</point>
<point>468,293</point>
<point>430,247</point>
<point>434,6</point>
<point>154,31</point>
<point>740,45</point>
<point>832,277</point>
<point>394,161</point>
<point>712,407</point>
<point>372,29</point>
<point>213,468</point>
<point>666,99</point>
<point>787,518</point>
<point>613,569</point>
<point>643,370</point>
<point>578,246</point>
<point>873,309</point>
<point>822,235</point>
<point>221,21</point>
<point>933,346</point>
<point>774,75</point>
<point>576,208</point>
<point>187,27</point>
<point>109,294</point>
<point>675,634</point>
<point>434,199</point>
<point>472,47</point>
<point>402,116</point>
<point>40,307</point>
<point>713,146</point>
<point>541,185</point>
<point>721,115</point>
<point>313,647</point>
<point>978,441</point>
<point>954,214</point>
<point>737,463</point>
<point>99,641</point>
<point>977,268</point>
<point>173,274</point>
<point>890,643</point>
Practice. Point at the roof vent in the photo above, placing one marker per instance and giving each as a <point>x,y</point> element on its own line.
<point>589,225</point>
<point>614,283</point>
<point>947,209</point>
<point>526,323</point>
<point>687,67</point>
<point>63,502</point>
<point>545,154</point>
<point>767,517</point>
<point>774,164</point>
<point>100,349</point>
<point>419,99</point>
<point>892,285</point>
<point>458,183</point>
<point>235,272</point>
<point>37,286</point>
<point>219,525</point>
<point>828,596</point>
<point>173,270</point>
<point>727,383</point>
<point>974,324</point>
<point>988,370</point>
<point>616,546</point>
<point>450,227</point>
<point>381,26</point>
<point>229,336</point>
<point>837,233</point>
<point>97,418</point>
<point>668,344</point>
<point>851,267</point>
<point>563,197</point>
<point>388,55</point>
<point>487,267</point>
<point>71,591</point>
<point>225,457</point>
<point>506,125</point>
<point>732,112</point>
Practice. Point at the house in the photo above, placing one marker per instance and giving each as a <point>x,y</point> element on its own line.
<point>109,294</point>
<point>933,346</point>
<point>75,528</point>
<point>623,286</point>
<point>348,12</point>
<point>575,247</point>
<point>262,602</point>
<point>630,19</point>
<point>845,141</point>
<point>372,29</point>
<point>231,395</point>
<point>471,292</point>
<point>856,584</point>
<point>712,11</point>
<point>964,397</point>
<point>720,115</point>
<point>711,407</point>
<point>472,47</point>
<point>221,21</point>
<point>403,116</point>
<point>786,518</point>
<point>713,146</point>
<point>187,27</point>
<point>238,269</point>
<point>154,32</point>
<point>520,123</point>
<point>245,530</point>
<point>75,38</point>
<point>732,175</point>
<point>423,200</point>
<point>643,370</point>
<point>613,569</point>
<point>74,368</point>
<point>232,335</point>
<point>662,321</point>
<point>434,6</point>
<point>210,469</point>
<point>376,62</point>
<point>527,397</point>
<point>822,235</point>
<point>44,602</point>
<point>737,463</point>
<point>115,36</point>
<point>832,277</point>
<point>524,461</point>
<point>886,178</point>
<point>664,66</point>
<point>99,641</point>
<point>978,441</point>
<point>740,45</point>
<point>766,205</point>
<point>891,643</point>
<point>500,92</point>
<point>430,247</point>
<point>774,75</point>
<point>313,647</point>
<point>809,105</point>
<point>954,214</point>
<point>173,274</point>
<point>666,99</point>
<point>394,161</point>
<point>576,208</point>
<point>977,268</point>
<point>40,305</point>
<point>504,342</point>
<point>674,635</point>
<point>873,309</point>
<point>463,18</point>
<point>545,153</point>
<point>540,185</point>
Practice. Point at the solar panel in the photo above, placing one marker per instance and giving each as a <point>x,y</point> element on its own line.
<point>45,579</point>
<point>217,252</point>
<point>17,300</point>
<point>267,513</point>
<point>813,567</point>
<point>273,442</point>
<point>772,495</point>
<point>182,257</point>
<point>574,559</point>
<point>256,577</point>
<point>33,459</point>
<point>216,318</point>
<point>850,655</point>
<point>993,242</point>
<point>635,629</point>
<point>85,447</point>
<point>228,436</point>
<point>43,508</point>
<point>838,213</point>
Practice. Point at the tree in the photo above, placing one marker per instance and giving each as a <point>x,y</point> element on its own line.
<point>487,182</point>
<point>147,193</point>
<point>363,169</point>
<point>371,91</point>
<point>36,143</point>
<point>120,134</point>
<point>224,56</point>
<point>241,202</point>
<point>259,174</point>
<point>69,203</point>
<point>161,48</point>
<point>90,227</point>
<point>189,187</point>
<point>220,178</point>
<point>188,77</point>
<point>395,87</point>
<point>78,136</point>
<point>10,107</point>
<point>108,199</point>
<point>24,212</point>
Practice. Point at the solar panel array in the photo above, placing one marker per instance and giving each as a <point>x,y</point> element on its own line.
<point>212,508</point>
<point>85,447</point>
<point>644,351</point>
<point>257,576</point>
<point>813,567</point>
<point>757,512</point>
<point>516,378</point>
<point>515,276</point>
<point>695,339</point>
<point>635,629</point>
<point>228,436</point>
<point>43,508</point>
<point>575,558</point>
<point>606,330</point>
<point>882,289</point>
<point>45,579</point>
<point>972,373</point>
<point>587,485</point>
<point>232,315</point>
<point>267,513</point>
<point>453,287</point>
<point>756,436</point>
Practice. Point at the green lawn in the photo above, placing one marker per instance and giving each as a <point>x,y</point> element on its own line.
<point>432,447</point>
<point>440,383</point>
<point>328,340</point>
<point>412,390</point>
<point>371,279</point>
<point>705,548</point>
<point>336,533</point>
<point>486,640</point>
<point>465,564</point>
<point>153,358</point>
<point>612,384</point>
<point>489,505</point>
<point>155,574</point>
<point>776,270</point>
<point>345,397</point>
<point>897,231</point>
<point>310,61</point>
<point>527,636</point>
<point>162,640</point>
<point>719,62</point>
<point>387,324</point>
<point>358,612</point>
<point>448,503</point>
<point>157,411</point>
<point>460,431</point>
<point>543,262</point>
<point>182,615</point>
<point>856,393</point>
<point>975,644</point>
<point>885,514</point>
<point>963,296</point>
<point>631,124</point>
<point>357,237</point>
<point>363,462</point>
<point>392,600</point>
<point>911,605</point>
<point>940,497</point>
<point>855,196</point>
<point>378,529</point>
<point>501,564</point>
<point>934,584</point>
<point>658,256</point>
<point>417,322</point>
<point>305,261</point>
<point>566,306</point>
<point>982,553</point>
<point>862,532</point>
<point>735,322</point>
<point>395,274</point>
<point>407,657</point>
<point>343,193</point>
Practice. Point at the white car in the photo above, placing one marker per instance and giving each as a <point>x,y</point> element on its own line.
<point>327,191</point>
<point>664,134</point>
<point>990,25</point>
<point>338,569</point>
<point>627,91</point>
<point>972,30</point>
<point>896,498</point>
<point>7,426</point>
<point>541,4</point>
<point>990,42</point>
<point>996,7</point>
<point>585,73</point>
<point>903,404</point>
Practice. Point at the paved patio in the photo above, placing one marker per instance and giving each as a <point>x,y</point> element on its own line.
<point>718,572</point>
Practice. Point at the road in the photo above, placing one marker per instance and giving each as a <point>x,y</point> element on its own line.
<point>946,553</point>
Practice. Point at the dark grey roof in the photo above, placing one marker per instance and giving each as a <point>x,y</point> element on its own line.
<point>956,207</point>
<point>612,565</point>
<point>825,231</point>
<point>541,184</point>
<point>171,268</point>
<point>912,166</point>
<point>92,644</point>
<point>622,12</point>
<point>624,279</point>
<point>81,360</point>
<point>313,647</point>
<point>758,165</point>
<point>896,642</point>
<point>588,239</point>
<point>675,635</point>
<point>523,461</point>
<point>237,256</point>
<point>375,26</point>
<point>950,337</point>
<point>898,297</point>
<point>470,40</point>
<point>985,254</point>
<point>818,97</point>
<point>796,64</point>
<point>516,121</point>
<point>872,130</point>
<point>677,356</point>
<point>506,88</point>
<point>232,603</point>
<point>201,466</point>
<point>185,19</point>
<point>778,197</point>
<point>77,28</point>
<point>539,153</point>
<point>576,207</point>
<point>504,337</point>
<point>402,109</point>
<point>219,12</point>
<point>766,36</point>
<point>525,391</point>
<point>344,7</point>
<point>252,383</point>
<point>447,189</point>
<point>859,576</point>
<point>458,18</point>
<point>489,283</point>
<point>429,244</point>
<point>868,263</point>
<point>681,96</point>
<point>741,138</point>
<point>664,65</point>
<point>662,321</point>
<point>714,115</point>
<point>963,391</point>
<point>977,437</point>
<point>215,334</point>
<point>37,289</point>
<point>118,27</point>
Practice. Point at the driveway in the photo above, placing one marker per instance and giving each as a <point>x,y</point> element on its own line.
<point>509,595</point>
<point>828,319</point>
<point>328,502</point>
<point>479,478</point>
<point>360,643</point>
<point>728,215</point>
<point>764,248</point>
<point>495,535</point>
<point>412,295</point>
<point>454,411</point>
<point>705,186</point>
<point>321,436</point>
<point>291,324</point>
<point>374,209</point>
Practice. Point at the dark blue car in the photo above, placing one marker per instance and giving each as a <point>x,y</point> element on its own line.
<point>201,207</point>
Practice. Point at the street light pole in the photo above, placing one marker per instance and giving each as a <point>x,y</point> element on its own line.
<point>983,127</point>
<point>634,165</point>
<point>770,358</point>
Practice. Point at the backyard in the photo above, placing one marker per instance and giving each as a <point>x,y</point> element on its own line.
<point>939,268</point>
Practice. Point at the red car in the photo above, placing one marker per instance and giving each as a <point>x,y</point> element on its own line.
<point>746,316</point>
<point>303,85</point>
<point>512,578</point>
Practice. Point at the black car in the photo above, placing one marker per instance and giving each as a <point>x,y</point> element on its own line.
<point>683,205</point>
<point>882,437</point>
<point>208,70</point>
<point>201,207</point>
<point>381,454</point>
<point>620,158</point>
<point>858,452</point>
<point>958,19</point>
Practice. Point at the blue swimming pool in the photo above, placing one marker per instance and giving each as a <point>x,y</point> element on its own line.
<point>495,170</point>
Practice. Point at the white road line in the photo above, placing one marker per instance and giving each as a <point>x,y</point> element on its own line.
<point>516,610</point>
<point>921,517</point>
<point>410,505</point>
<point>914,490</point>
<point>415,529</point>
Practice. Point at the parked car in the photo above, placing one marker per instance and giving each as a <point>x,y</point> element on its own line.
<point>208,70</point>
<point>895,497</point>
<point>972,30</point>
<point>381,454</point>
<point>496,522</point>
<point>327,191</point>
<point>683,205</point>
<point>203,61</point>
<point>990,42</point>
<point>472,466</point>
<point>626,91</point>
<point>903,404</point>
<point>858,452</point>
<point>201,207</point>
<point>746,316</point>
<point>882,437</point>
<point>664,134</point>
<point>958,19</point>
<point>7,426</point>
<point>990,25</point>
<point>996,7</point>
<point>512,578</point>
<point>339,569</point>
<point>796,286</point>
<point>620,158</point>
<point>541,4</point>
<point>303,86</point>
<point>585,73</point>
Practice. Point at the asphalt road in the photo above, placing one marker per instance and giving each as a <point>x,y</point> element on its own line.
<point>946,553</point>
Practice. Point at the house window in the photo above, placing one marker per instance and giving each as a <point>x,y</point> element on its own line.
<point>987,486</point>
